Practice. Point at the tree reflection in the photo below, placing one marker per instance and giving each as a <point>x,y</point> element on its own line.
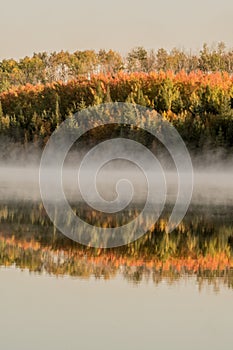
<point>201,246</point>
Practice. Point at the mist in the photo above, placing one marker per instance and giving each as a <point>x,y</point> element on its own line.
<point>19,177</point>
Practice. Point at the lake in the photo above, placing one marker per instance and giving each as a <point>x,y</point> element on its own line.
<point>165,291</point>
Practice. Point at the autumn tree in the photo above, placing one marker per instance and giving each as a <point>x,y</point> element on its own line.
<point>137,60</point>
<point>110,61</point>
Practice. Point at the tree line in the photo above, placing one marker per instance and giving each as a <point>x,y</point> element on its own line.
<point>63,66</point>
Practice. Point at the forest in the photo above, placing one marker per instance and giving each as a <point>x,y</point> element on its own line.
<point>192,91</point>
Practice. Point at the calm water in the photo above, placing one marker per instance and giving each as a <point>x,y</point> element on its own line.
<point>165,291</point>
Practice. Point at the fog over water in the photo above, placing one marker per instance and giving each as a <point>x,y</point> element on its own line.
<point>213,184</point>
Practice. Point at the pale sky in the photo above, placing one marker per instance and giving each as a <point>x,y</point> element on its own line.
<point>28,26</point>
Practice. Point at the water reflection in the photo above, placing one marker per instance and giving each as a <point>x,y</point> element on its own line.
<point>201,246</point>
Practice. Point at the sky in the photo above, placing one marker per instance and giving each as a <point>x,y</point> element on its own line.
<point>28,26</point>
